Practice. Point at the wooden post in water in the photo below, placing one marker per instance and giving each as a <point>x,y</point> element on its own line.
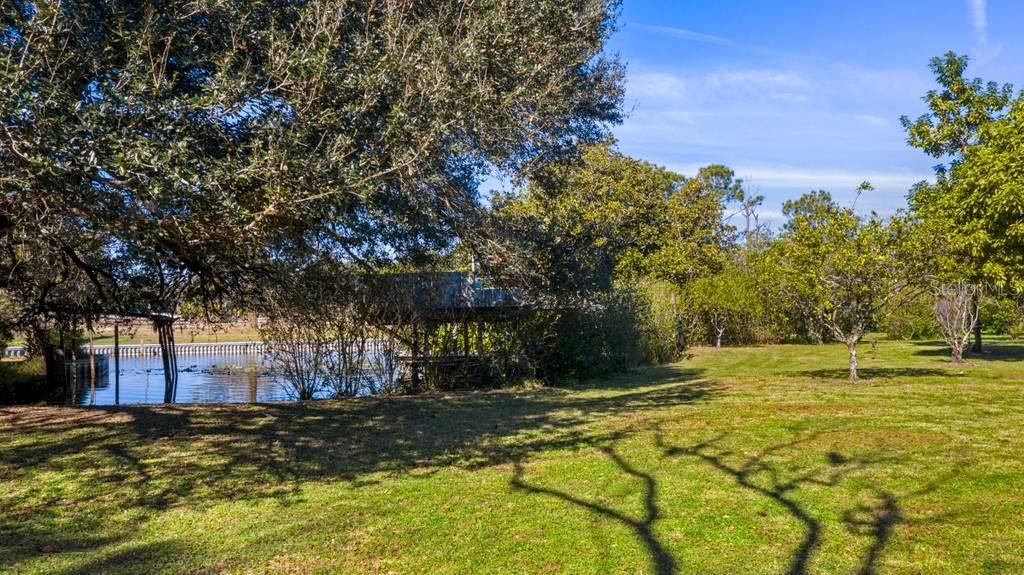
<point>64,362</point>
<point>415,356</point>
<point>92,370</point>
<point>74,371</point>
<point>252,385</point>
<point>117,366</point>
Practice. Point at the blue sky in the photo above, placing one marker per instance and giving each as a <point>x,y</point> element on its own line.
<point>798,95</point>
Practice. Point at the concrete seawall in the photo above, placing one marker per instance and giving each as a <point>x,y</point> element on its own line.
<point>183,349</point>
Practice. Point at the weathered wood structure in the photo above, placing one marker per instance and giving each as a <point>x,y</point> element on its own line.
<point>457,331</point>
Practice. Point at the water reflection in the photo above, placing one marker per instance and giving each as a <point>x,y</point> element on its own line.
<point>226,378</point>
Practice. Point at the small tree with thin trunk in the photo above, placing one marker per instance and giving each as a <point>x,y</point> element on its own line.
<point>849,263</point>
<point>956,312</point>
<point>725,302</point>
<point>312,336</point>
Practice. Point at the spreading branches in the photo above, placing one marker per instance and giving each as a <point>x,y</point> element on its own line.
<point>956,312</point>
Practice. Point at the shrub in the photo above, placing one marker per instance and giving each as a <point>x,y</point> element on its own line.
<point>610,332</point>
<point>659,322</point>
<point>912,318</point>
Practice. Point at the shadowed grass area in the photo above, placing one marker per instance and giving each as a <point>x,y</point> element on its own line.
<point>745,460</point>
<point>17,371</point>
<point>21,380</point>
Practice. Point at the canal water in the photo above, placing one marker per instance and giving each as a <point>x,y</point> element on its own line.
<point>222,378</point>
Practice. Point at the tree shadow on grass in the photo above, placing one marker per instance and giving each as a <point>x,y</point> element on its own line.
<point>874,373</point>
<point>756,474</point>
<point>780,482</point>
<point>130,559</point>
<point>148,458</point>
<point>662,562</point>
<point>770,473</point>
<point>993,351</point>
<point>878,520</point>
<point>28,538</point>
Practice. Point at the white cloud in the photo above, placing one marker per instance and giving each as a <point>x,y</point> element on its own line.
<point>872,120</point>
<point>786,127</point>
<point>684,34</point>
<point>979,17</point>
<point>718,89</point>
<point>803,179</point>
<point>756,78</point>
<point>657,85</point>
<point>837,180</point>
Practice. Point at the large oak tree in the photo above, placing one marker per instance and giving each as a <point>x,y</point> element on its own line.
<point>194,141</point>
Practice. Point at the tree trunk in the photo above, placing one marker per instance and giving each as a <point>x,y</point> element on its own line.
<point>168,354</point>
<point>53,358</point>
<point>74,372</point>
<point>680,335</point>
<point>117,365</point>
<point>852,346</point>
<point>718,328</point>
<point>56,370</point>
<point>958,355</point>
<point>977,325</point>
<point>415,375</point>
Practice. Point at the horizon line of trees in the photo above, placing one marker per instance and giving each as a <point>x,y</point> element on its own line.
<point>648,259</point>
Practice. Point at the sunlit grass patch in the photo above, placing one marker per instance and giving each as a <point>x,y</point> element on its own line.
<point>745,460</point>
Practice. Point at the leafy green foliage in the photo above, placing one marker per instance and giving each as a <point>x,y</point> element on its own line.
<point>984,201</point>
<point>590,339</point>
<point>660,326</point>
<point>958,111</point>
<point>607,241</point>
<point>581,226</point>
<point>1004,314</point>
<point>974,209</point>
<point>910,318</point>
<point>846,268</point>
<point>725,306</point>
<point>165,151</point>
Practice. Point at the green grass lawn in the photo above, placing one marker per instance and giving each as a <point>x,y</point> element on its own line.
<point>755,460</point>
<point>146,335</point>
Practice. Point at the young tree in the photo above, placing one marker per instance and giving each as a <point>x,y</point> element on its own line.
<point>797,294</point>
<point>848,264</point>
<point>728,301</point>
<point>956,314</point>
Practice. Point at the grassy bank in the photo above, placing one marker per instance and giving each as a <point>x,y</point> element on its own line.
<point>20,378</point>
<point>754,460</point>
<point>18,371</point>
<point>144,334</point>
